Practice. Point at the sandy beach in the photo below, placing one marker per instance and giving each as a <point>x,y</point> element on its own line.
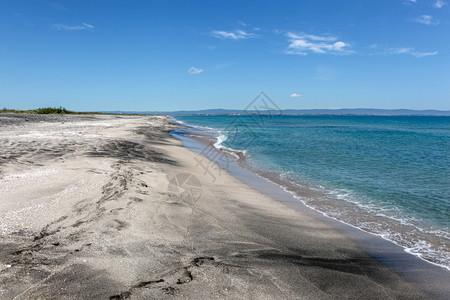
<point>113,207</point>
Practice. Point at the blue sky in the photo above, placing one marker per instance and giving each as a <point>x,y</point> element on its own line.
<point>172,55</point>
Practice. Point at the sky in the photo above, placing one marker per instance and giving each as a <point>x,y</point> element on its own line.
<point>174,55</point>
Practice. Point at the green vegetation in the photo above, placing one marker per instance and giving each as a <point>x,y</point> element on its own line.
<point>51,110</point>
<point>56,111</point>
<point>43,110</point>
<point>5,110</point>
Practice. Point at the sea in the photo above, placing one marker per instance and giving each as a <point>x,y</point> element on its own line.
<point>386,175</point>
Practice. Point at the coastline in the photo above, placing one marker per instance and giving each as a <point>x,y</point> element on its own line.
<point>336,199</point>
<point>430,276</point>
<point>110,210</point>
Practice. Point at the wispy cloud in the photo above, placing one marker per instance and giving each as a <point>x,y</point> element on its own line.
<point>194,71</point>
<point>83,26</point>
<point>303,44</point>
<point>310,37</point>
<point>294,95</point>
<point>88,25</point>
<point>233,35</point>
<point>427,20</point>
<point>410,1</point>
<point>439,3</point>
<point>411,51</point>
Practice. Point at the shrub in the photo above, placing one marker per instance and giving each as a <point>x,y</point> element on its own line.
<point>53,110</point>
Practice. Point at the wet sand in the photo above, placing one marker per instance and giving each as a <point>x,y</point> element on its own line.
<point>113,207</point>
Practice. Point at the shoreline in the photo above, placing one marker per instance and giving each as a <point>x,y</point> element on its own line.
<point>114,207</point>
<point>303,190</point>
<point>430,276</point>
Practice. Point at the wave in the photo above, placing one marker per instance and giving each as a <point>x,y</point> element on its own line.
<point>218,136</point>
<point>220,139</point>
<point>427,243</point>
<point>181,123</point>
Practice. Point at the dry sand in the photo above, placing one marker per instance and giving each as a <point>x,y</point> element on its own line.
<point>112,207</point>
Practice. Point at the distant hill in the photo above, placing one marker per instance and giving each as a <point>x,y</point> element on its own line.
<point>342,111</point>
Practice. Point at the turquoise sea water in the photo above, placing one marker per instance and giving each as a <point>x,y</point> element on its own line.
<point>386,175</point>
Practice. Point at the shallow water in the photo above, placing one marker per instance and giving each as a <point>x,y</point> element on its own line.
<point>385,175</point>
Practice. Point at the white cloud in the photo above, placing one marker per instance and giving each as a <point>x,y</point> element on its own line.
<point>439,3</point>
<point>233,35</point>
<point>310,37</point>
<point>411,51</point>
<point>294,95</point>
<point>303,44</point>
<point>427,20</point>
<point>83,26</point>
<point>193,71</point>
<point>88,25</point>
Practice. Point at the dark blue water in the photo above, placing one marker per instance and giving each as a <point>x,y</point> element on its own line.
<point>386,175</point>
